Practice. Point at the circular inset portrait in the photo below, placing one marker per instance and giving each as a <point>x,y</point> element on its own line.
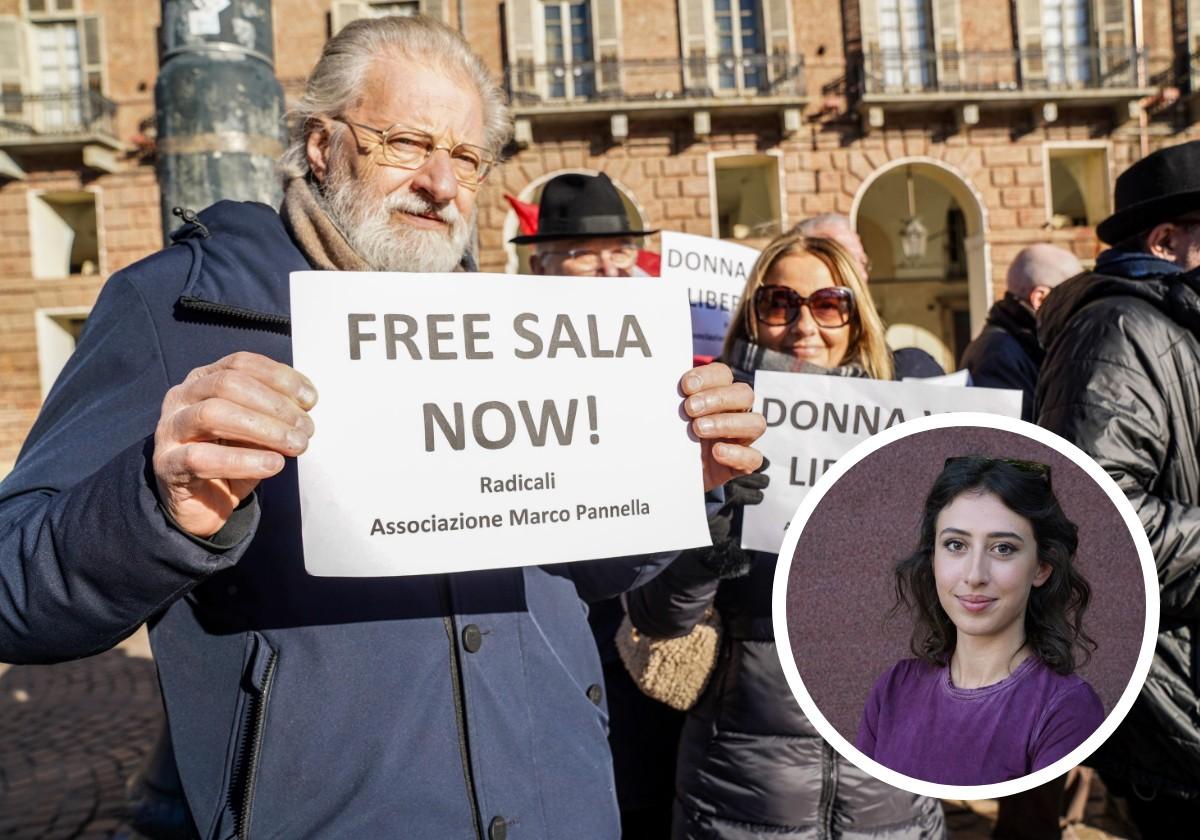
<point>966,609</point>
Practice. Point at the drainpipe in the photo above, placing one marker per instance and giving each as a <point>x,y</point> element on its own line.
<point>1139,43</point>
<point>219,105</point>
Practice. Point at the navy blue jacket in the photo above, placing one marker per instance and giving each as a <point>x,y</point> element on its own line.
<point>428,706</point>
<point>1006,354</point>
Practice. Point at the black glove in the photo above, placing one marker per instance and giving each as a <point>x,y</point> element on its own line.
<point>727,559</point>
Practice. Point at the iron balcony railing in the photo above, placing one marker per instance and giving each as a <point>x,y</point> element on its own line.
<point>1000,71</point>
<point>656,80</point>
<point>55,115</point>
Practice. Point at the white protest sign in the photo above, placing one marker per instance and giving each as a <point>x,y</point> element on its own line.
<point>960,378</point>
<point>813,420</point>
<point>473,421</point>
<point>715,274</point>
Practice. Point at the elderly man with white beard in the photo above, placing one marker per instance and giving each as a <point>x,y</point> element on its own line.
<point>158,485</point>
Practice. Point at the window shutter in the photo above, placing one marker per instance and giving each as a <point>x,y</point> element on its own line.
<point>522,56</point>
<point>946,43</point>
<point>91,53</point>
<point>606,26</point>
<point>868,33</point>
<point>11,86</point>
<point>1193,42</point>
<point>1030,36</point>
<point>435,9</point>
<point>1115,42</point>
<point>343,13</point>
<point>693,36</point>
<point>778,25</point>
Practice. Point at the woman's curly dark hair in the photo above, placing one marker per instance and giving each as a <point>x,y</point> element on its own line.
<point>1054,615</point>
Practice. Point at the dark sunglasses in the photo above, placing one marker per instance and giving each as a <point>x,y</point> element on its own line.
<point>779,306</point>
<point>1034,468</point>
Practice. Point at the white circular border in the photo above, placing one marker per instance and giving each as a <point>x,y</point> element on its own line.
<point>809,505</point>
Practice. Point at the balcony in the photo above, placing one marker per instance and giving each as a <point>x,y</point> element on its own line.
<point>1046,80</point>
<point>658,88</point>
<point>38,126</point>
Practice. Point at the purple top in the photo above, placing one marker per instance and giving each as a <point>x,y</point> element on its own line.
<point>918,723</point>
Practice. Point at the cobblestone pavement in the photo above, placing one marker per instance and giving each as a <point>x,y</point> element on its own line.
<point>71,735</point>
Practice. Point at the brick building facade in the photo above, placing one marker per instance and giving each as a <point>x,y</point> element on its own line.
<point>994,124</point>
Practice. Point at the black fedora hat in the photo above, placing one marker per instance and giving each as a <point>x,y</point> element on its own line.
<point>1158,188</point>
<point>577,206</point>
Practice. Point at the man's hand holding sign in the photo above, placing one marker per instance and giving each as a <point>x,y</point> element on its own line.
<point>224,429</point>
<point>724,422</point>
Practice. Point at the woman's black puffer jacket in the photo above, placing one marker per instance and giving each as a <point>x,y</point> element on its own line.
<point>751,765</point>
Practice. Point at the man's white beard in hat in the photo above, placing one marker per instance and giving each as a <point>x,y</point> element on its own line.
<point>385,245</point>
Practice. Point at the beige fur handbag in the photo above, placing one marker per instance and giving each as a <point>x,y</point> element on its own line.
<point>672,671</point>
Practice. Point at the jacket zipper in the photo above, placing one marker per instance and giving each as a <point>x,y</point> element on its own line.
<point>828,786</point>
<point>258,723</point>
<point>460,709</point>
<point>225,310</point>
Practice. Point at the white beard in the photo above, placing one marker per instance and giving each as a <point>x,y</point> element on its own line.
<point>385,245</point>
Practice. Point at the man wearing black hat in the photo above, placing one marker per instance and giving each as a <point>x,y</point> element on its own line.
<point>1121,381</point>
<point>583,230</point>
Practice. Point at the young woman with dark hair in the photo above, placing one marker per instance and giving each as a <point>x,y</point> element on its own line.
<point>992,694</point>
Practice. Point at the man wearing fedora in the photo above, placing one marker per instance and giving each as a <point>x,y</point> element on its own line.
<point>1121,380</point>
<point>583,230</point>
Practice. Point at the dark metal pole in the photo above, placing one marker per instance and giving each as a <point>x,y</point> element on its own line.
<point>220,108</point>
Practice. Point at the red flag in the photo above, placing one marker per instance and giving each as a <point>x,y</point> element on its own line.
<point>649,262</point>
<point>527,214</point>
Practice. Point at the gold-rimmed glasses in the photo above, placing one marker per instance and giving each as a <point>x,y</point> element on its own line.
<point>622,257</point>
<point>408,148</point>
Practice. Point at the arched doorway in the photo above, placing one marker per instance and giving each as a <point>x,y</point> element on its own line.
<point>934,297</point>
<point>518,255</point>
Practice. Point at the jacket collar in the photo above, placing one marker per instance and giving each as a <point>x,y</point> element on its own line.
<point>1176,295</point>
<point>1133,264</point>
<point>240,269</point>
<point>1019,321</point>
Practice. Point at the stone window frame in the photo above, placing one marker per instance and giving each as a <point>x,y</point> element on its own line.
<point>54,343</point>
<point>712,184</point>
<point>32,195</point>
<point>1048,146</point>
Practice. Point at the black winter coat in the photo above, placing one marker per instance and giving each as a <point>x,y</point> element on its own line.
<point>1121,381</point>
<point>1006,353</point>
<point>751,764</point>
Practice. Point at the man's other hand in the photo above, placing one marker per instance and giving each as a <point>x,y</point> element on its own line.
<point>723,421</point>
<point>222,430</point>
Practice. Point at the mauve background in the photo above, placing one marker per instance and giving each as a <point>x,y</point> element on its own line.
<point>841,587</point>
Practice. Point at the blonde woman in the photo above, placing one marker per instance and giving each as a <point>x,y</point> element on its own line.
<point>806,299</point>
<point>750,764</point>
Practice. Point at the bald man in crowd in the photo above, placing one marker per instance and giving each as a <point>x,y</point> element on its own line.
<point>1007,354</point>
<point>841,230</point>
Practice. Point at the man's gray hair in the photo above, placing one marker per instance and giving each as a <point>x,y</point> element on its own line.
<point>335,84</point>
<point>1040,265</point>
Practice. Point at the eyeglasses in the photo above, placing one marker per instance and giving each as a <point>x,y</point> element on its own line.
<point>1035,468</point>
<point>407,148</point>
<point>779,306</point>
<point>589,259</point>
